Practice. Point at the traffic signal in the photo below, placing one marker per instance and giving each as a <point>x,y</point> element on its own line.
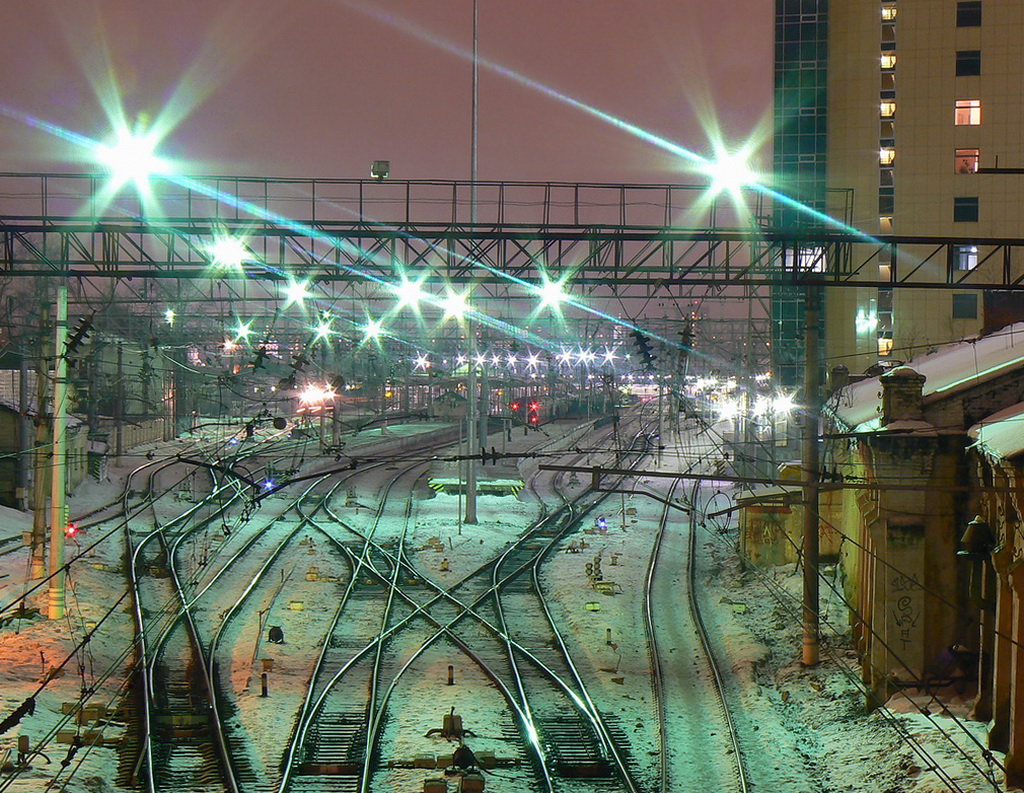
<point>515,407</point>
<point>71,531</point>
<point>533,417</point>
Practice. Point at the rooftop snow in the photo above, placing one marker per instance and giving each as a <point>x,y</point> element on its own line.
<point>948,370</point>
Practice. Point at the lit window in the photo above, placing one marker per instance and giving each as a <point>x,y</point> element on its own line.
<point>966,161</point>
<point>965,306</point>
<point>887,109</point>
<point>885,224</point>
<point>806,260</point>
<point>888,60</point>
<point>885,343</point>
<point>968,112</point>
<point>886,155</point>
<point>889,11</point>
<point>968,14</point>
<point>966,257</point>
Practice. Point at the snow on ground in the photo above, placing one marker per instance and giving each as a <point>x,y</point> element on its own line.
<point>804,729</point>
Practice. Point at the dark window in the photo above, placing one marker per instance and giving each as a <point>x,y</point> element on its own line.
<point>968,14</point>
<point>965,306</point>
<point>968,63</point>
<point>886,204</point>
<point>965,210</point>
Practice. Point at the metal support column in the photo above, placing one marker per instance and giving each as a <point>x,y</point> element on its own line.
<point>812,404</point>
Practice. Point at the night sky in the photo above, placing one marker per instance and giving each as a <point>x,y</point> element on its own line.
<point>324,87</point>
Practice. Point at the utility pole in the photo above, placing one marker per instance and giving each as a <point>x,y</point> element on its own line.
<point>471,397</point>
<point>119,403</point>
<point>471,445</point>
<point>812,404</point>
<point>58,519</point>
<point>40,454</point>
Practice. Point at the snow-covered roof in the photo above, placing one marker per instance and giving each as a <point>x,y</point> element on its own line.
<point>949,370</point>
<point>1002,433</point>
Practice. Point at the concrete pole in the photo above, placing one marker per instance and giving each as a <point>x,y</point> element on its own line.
<point>812,399</point>
<point>475,104</point>
<point>60,427</point>
<point>471,445</point>
<point>661,418</point>
<point>39,456</point>
<point>484,411</point>
<point>25,455</point>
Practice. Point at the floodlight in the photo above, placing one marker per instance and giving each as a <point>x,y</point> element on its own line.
<point>131,158</point>
<point>227,252</point>
<point>455,305</point>
<point>409,293</point>
<point>373,329</point>
<point>551,293</point>
<point>296,292</point>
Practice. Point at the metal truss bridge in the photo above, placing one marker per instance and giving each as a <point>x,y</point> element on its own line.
<point>603,238</point>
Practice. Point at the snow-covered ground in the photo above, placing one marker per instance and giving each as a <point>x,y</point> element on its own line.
<point>802,729</point>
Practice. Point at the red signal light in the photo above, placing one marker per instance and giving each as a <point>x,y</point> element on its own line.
<point>514,406</point>
<point>534,406</point>
<point>70,530</point>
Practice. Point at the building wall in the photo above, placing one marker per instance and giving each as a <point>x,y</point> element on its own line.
<point>77,460</point>
<point>904,55</point>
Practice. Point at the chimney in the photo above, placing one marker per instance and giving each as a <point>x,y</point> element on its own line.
<point>901,395</point>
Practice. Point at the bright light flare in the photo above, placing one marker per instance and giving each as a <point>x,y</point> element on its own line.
<point>373,329</point>
<point>783,405</point>
<point>315,394</point>
<point>456,305</point>
<point>730,172</point>
<point>132,158</point>
<point>551,293</point>
<point>727,409</point>
<point>422,362</point>
<point>227,252</point>
<point>296,292</point>
<point>409,294</point>
<point>169,316</point>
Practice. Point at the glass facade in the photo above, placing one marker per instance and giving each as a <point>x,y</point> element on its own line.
<point>801,80</point>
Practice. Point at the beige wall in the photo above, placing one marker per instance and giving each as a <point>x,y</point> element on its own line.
<point>926,138</point>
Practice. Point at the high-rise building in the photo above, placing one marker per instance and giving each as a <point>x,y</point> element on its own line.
<point>902,118</point>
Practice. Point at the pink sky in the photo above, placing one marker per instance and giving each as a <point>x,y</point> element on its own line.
<point>324,87</point>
